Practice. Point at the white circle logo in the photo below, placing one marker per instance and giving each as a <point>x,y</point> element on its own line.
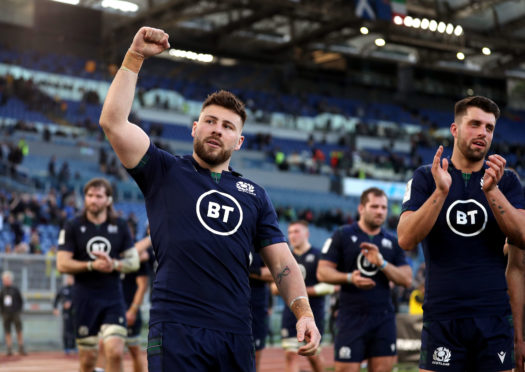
<point>467,217</point>
<point>219,212</point>
<point>365,266</point>
<point>98,244</point>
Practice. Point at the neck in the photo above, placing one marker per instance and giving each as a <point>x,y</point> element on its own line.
<point>463,164</point>
<point>212,168</point>
<point>300,249</point>
<point>367,229</point>
<point>97,219</point>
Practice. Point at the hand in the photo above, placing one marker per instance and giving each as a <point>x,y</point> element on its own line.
<point>361,282</point>
<point>307,331</point>
<point>103,263</point>
<point>150,41</point>
<point>131,316</point>
<point>372,254</point>
<point>494,172</point>
<point>440,173</point>
<point>55,312</point>
<point>67,305</point>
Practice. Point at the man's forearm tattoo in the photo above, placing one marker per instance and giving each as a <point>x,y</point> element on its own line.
<point>500,208</point>
<point>285,272</point>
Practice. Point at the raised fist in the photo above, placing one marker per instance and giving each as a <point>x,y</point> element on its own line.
<point>150,41</point>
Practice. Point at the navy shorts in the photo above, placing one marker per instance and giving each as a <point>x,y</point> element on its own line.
<point>470,344</point>
<point>365,335</point>
<point>259,327</point>
<point>91,313</point>
<point>183,348</point>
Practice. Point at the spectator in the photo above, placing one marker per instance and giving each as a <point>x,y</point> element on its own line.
<point>11,304</point>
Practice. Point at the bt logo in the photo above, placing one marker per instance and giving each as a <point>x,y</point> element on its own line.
<point>219,213</point>
<point>467,217</point>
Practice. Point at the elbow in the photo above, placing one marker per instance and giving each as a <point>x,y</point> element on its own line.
<point>60,267</point>
<point>405,243</point>
<point>320,275</point>
<point>104,122</point>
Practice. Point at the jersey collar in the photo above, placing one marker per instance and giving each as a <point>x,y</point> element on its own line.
<point>482,170</point>
<point>198,168</point>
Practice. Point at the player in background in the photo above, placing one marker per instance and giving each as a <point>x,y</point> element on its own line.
<point>307,258</point>
<point>96,247</point>
<point>364,258</point>
<point>260,276</point>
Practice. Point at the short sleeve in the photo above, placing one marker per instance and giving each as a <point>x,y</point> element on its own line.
<point>268,231</point>
<point>333,247</point>
<point>400,258</point>
<point>418,189</point>
<point>149,172</point>
<point>66,238</point>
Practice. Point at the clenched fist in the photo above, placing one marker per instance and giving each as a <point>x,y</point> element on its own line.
<point>150,41</point>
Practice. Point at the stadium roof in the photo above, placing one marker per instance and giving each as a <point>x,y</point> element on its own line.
<point>324,32</point>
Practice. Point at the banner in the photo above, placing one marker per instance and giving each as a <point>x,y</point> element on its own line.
<point>409,329</point>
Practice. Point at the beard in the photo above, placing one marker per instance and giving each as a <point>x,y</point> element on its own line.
<point>212,157</point>
<point>472,154</point>
<point>94,209</point>
<point>373,223</point>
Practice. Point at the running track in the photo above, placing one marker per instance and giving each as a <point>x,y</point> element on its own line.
<point>272,361</point>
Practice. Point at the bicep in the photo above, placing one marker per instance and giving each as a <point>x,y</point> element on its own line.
<point>275,256</point>
<point>129,145</point>
<point>326,266</point>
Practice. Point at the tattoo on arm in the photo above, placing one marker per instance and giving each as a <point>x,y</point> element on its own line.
<point>500,208</point>
<point>282,274</point>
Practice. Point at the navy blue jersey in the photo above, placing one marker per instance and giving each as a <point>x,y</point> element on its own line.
<point>343,249</point>
<point>255,268</point>
<point>82,237</point>
<point>129,283</point>
<point>202,232</point>
<point>465,265</point>
<point>307,262</point>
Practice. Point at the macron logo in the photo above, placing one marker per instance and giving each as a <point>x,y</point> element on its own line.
<point>501,356</point>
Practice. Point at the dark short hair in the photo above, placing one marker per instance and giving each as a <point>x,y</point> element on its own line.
<point>299,222</point>
<point>372,190</point>
<point>227,100</point>
<point>480,102</point>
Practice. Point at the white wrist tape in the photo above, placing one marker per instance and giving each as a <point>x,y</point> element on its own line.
<point>323,289</point>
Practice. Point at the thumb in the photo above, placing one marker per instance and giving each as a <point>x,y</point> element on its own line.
<point>300,330</point>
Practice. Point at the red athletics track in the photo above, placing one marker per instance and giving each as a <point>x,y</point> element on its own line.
<point>272,361</point>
